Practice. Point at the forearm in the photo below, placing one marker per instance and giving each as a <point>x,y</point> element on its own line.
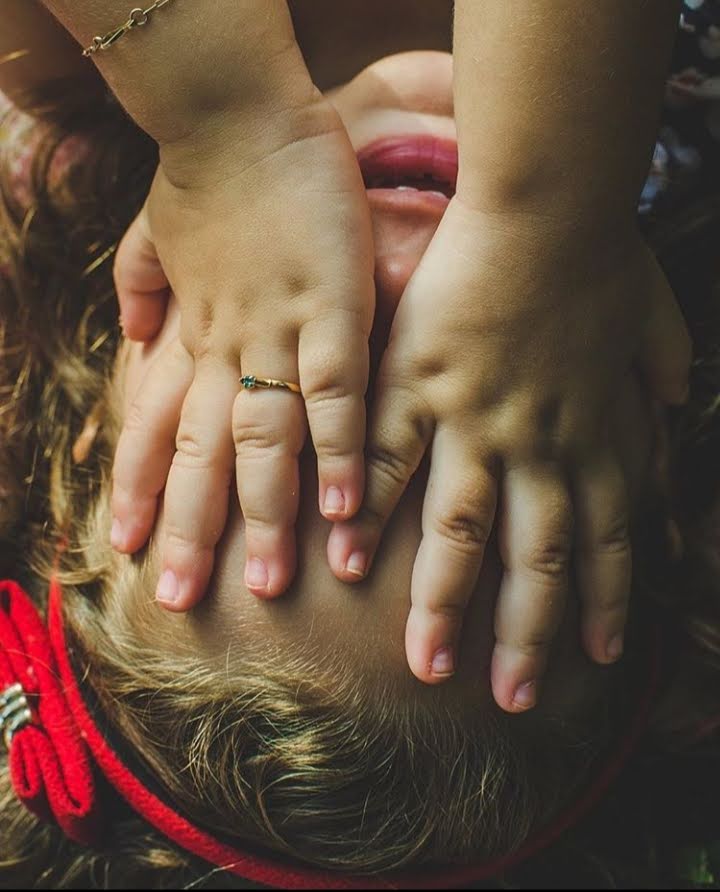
<point>558,103</point>
<point>35,50</point>
<point>193,62</point>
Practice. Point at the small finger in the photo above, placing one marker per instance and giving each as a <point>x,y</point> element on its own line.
<point>146,447</point>
<point>458,516</point>
<point>269,431</point>
<point>604,556</point>
<point>667,349</point>
<point>535,542</point>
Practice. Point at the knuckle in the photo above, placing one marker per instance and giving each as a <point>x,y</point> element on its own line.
<point>197,329</point>
<point>134,421</point>
<point>337,457</point>
<point>326,393</point>
<point>533,646</point>
<point>614,540</point>
<point>451,611</point>
<point>177,540</point>
<point>549,558</point>
<point>327,368</point>
<point>257,438</point>
<point>464,531</point>
<point>261,531</point>
<point>191,450</point>
<point>389,465</point>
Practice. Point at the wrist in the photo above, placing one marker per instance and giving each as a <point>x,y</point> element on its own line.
<point>561,207</point>
<point>190,105</point>
<point>546,242</point>
<point>193,64</point>
<point>236,139</point>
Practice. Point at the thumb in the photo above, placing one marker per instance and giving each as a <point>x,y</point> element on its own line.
<point>141,284</point>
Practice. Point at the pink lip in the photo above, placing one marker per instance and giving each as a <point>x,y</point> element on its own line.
<point>390,162</point>
<point>410,157</point>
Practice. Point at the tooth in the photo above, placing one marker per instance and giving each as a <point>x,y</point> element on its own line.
<point>406,189</point>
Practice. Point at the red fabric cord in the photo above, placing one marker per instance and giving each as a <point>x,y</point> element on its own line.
<point>50,766</point>
<point>54,777</point>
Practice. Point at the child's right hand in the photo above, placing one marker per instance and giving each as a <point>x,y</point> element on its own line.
<point>263,234</point>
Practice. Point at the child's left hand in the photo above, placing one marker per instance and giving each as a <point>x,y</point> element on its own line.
<point>507,350</point>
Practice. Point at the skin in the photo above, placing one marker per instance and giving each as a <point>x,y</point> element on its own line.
<point>252,130</point>
<point>259,117</point>
<point>402,94</point>
<point>554,298</point>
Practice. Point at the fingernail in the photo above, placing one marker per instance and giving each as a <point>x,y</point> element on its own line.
<point>334,501</point>
<point>168,588</point>
<point>615,648</point>
<point>525,695</point>
<point>117,539</point>
<point>357,564</point>
<point>256,574</point>
<point>443,663</point>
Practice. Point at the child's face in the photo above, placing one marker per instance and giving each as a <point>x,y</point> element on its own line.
<point>406,99</point>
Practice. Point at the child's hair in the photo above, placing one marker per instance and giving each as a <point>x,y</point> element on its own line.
<point>329,776</point>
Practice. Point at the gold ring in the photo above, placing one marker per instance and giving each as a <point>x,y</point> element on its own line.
<point>250,382</point>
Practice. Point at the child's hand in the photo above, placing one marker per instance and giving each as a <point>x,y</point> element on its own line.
<point>266,243</point>
<point>508,346</point>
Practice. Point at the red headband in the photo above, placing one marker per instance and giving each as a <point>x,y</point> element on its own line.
<point>53,741</point>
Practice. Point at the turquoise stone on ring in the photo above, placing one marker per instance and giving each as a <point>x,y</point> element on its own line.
<point>248,381</point>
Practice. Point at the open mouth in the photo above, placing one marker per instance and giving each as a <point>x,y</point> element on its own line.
<point>411,164</point>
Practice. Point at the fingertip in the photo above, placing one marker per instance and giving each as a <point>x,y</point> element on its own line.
<point>132,522</point>
<point>118,538</point>
<point>333,503</point>
<point>142,317</point>
<point>350,560</point>
<point>176,594</point>
<point>268,576</point>
<point>515,680</point>
<point>431,646</point>
<point>262,583</point>
<point>615,648</point>
<point>341,495</point>
<point>437,669</point>
<point>524,696</point>
<point>604,648</point>
<point>167,591</point>
<point>184,579</point>
<point>519,699</point>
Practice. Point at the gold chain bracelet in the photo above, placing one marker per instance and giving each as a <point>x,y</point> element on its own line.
<point>137,18</point>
